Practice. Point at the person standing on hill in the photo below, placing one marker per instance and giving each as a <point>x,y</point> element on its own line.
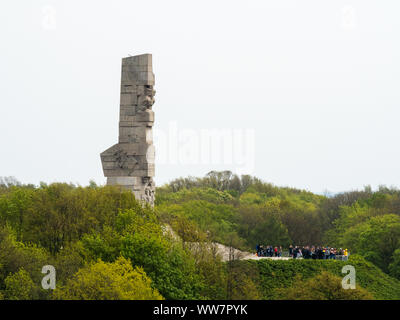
<point>333,253</point>
<point>327,253</point>
<point>321,253</point>
<point>313,253</point>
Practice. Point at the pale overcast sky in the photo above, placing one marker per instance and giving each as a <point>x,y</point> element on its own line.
<point>307,93</point>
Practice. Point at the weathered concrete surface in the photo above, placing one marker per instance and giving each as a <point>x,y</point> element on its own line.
<point>130,162</point>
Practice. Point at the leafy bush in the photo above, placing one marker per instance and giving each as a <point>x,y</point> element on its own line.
<point>324,286</point>
<point>108,281</point>
<point>19,286</point>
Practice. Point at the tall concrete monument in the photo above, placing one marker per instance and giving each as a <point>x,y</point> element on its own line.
<point>130,162</point>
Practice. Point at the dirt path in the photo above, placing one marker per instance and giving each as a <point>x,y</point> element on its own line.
<point>223,251</point>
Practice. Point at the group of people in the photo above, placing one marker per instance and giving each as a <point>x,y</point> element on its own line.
<point>268,251</point>
<point>306,252</point>
<point>317,252</point>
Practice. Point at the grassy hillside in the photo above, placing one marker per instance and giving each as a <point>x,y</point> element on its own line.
<point>282,274</point>
<point>244,211</point>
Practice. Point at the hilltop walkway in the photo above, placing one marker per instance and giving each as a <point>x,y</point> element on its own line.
<point>224,252</point>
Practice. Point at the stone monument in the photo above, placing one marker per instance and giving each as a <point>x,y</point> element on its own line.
<point>130,162</point>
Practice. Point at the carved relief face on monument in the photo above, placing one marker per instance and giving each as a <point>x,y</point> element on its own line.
<point>146,100</point>
<point>150,92</point>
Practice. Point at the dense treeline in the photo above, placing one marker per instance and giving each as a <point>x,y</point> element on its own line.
<point>99,235</point>
<point>96,236</point>
<point>248,211</point>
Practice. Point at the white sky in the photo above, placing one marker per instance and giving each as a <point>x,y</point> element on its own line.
<point>317,82</point>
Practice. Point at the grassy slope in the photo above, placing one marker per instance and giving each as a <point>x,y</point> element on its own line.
<point>278,274</point>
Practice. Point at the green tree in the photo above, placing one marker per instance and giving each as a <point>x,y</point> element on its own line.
<point>172,268</point>
<point>69,260</point>
<point>211,269</point>
<point>15,255</point>
<point>376,239</point>
<point>20,286</point>
<point>324,286</point>
<point>108,281</point>
<point>241,281</point>
<point>394,267</point>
